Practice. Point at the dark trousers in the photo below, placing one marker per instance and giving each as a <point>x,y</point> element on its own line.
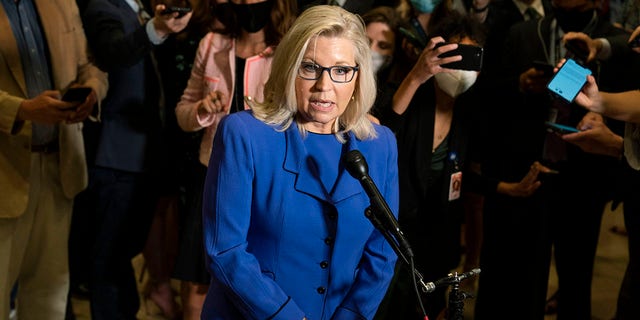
<point>123,209</point>
<point>629,295</point>
<point>514,259</point>
<point>575,205</point>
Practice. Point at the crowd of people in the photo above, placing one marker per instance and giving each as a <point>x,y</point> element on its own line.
<point>213,141</point>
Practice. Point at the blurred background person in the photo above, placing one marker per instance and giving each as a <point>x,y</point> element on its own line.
<point>231,66</point>
<point>595,137</point>
<point>382,30</point>
<point>269,258</point>
<point>123,147</point>
<point>359,7</point>
<point>44,52</point>
<point>433,121</point>
<point>524,230</point>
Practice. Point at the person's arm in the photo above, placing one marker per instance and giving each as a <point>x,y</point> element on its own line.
<point>378,260</point>
<point>198,109</point>
<point>227,212</point>
<point>428,64</point>
<point>112,46</point>
<point>595,137</point>
<point>624,106</point>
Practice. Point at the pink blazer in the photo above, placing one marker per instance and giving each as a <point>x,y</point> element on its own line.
<point>214,70</point>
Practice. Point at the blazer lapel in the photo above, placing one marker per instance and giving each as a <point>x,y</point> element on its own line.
<point>296,161</point>
<point>307,181</point>
<point>10,51</point>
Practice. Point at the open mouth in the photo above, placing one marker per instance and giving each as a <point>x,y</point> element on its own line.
<point>321,104</point>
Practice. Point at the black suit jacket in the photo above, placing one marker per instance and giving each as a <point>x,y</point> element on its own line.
<point>127,137</point>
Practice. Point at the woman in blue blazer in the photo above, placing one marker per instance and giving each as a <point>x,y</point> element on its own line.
<point>284,225</point>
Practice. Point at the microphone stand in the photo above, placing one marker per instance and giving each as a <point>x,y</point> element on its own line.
<point>408,263</point>
<point>455,310</point>
<point>394,245</point>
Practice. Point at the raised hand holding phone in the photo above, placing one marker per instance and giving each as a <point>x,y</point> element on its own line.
<point>568,81</point>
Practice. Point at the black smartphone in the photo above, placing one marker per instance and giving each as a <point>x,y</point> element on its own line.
<point>559,128</point>
<point>546,68</point>
<point>578,50</point>
<point>635,42</point>
<point>412,38</point>
<point>76,95</point>
<point>181,10</point>
<point>471,57</point>
<point>568,81</point>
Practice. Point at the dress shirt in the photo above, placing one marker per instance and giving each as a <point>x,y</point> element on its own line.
<point>151,30</point>
<point>24,21</point>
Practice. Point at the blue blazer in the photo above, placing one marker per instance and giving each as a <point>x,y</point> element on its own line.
<point>278,245</point>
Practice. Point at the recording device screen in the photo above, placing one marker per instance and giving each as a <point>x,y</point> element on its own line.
<point>569,80</point>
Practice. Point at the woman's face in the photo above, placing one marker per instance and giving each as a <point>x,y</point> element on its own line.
<point>322,101</point>
<point>381,37</point>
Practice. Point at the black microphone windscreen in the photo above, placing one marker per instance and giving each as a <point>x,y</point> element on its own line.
<point>356,164</point>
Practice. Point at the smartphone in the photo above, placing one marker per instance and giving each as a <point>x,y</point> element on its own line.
<point>412,38</point>
<point>76,94</point>
<point>546,68</point>
<point>568,81</point>
<point>471,57</point>
<point>578,50</point>
<point>559,128</point>
<point>182,10</point>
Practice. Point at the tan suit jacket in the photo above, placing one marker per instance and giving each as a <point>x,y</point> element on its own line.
<point>62,29</point>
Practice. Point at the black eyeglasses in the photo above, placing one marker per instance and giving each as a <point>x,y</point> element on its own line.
<point>339,74</point>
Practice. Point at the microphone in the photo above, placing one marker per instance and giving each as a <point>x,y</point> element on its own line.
<point>357,167</point>
<point>451,278</point>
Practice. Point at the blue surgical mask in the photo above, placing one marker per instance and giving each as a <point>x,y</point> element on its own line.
<point>425,6</point>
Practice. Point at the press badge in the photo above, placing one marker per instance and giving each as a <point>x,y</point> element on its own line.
<point>455,185</point>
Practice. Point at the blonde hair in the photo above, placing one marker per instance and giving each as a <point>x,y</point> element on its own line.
<point>279,107</point>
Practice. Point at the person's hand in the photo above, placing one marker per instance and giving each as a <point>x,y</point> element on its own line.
<point>214,102</point>
<point>429,63</point>
<point>635,34</point>
<point>166,24</point>
<point>46,108</point>
<point>533,81</point>
<point>83,110</point>
<point>527,186</point>
<point>589,97</point>
<point>592,45</point>
<point>595,137</point>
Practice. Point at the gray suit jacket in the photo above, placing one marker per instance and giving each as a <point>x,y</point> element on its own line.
<point>62,28</point>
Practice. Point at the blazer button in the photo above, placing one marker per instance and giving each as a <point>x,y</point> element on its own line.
<point>328,241</point>
<point>321,290</point>
<point>324,264</point>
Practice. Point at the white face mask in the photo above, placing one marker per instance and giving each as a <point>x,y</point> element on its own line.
<point>379,61</point>
<point>456,82</point>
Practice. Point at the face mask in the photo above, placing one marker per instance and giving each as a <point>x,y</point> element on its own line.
<point>252,17</point>
<point>572,20</point>
<point>379,61</point>
<point>456,82</point>
<point>425,6</point>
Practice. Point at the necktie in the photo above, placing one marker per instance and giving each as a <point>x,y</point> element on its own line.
<point>531,14</point>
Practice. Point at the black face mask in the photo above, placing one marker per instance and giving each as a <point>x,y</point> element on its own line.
<point>252,17</point>
<point>573,20</point>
